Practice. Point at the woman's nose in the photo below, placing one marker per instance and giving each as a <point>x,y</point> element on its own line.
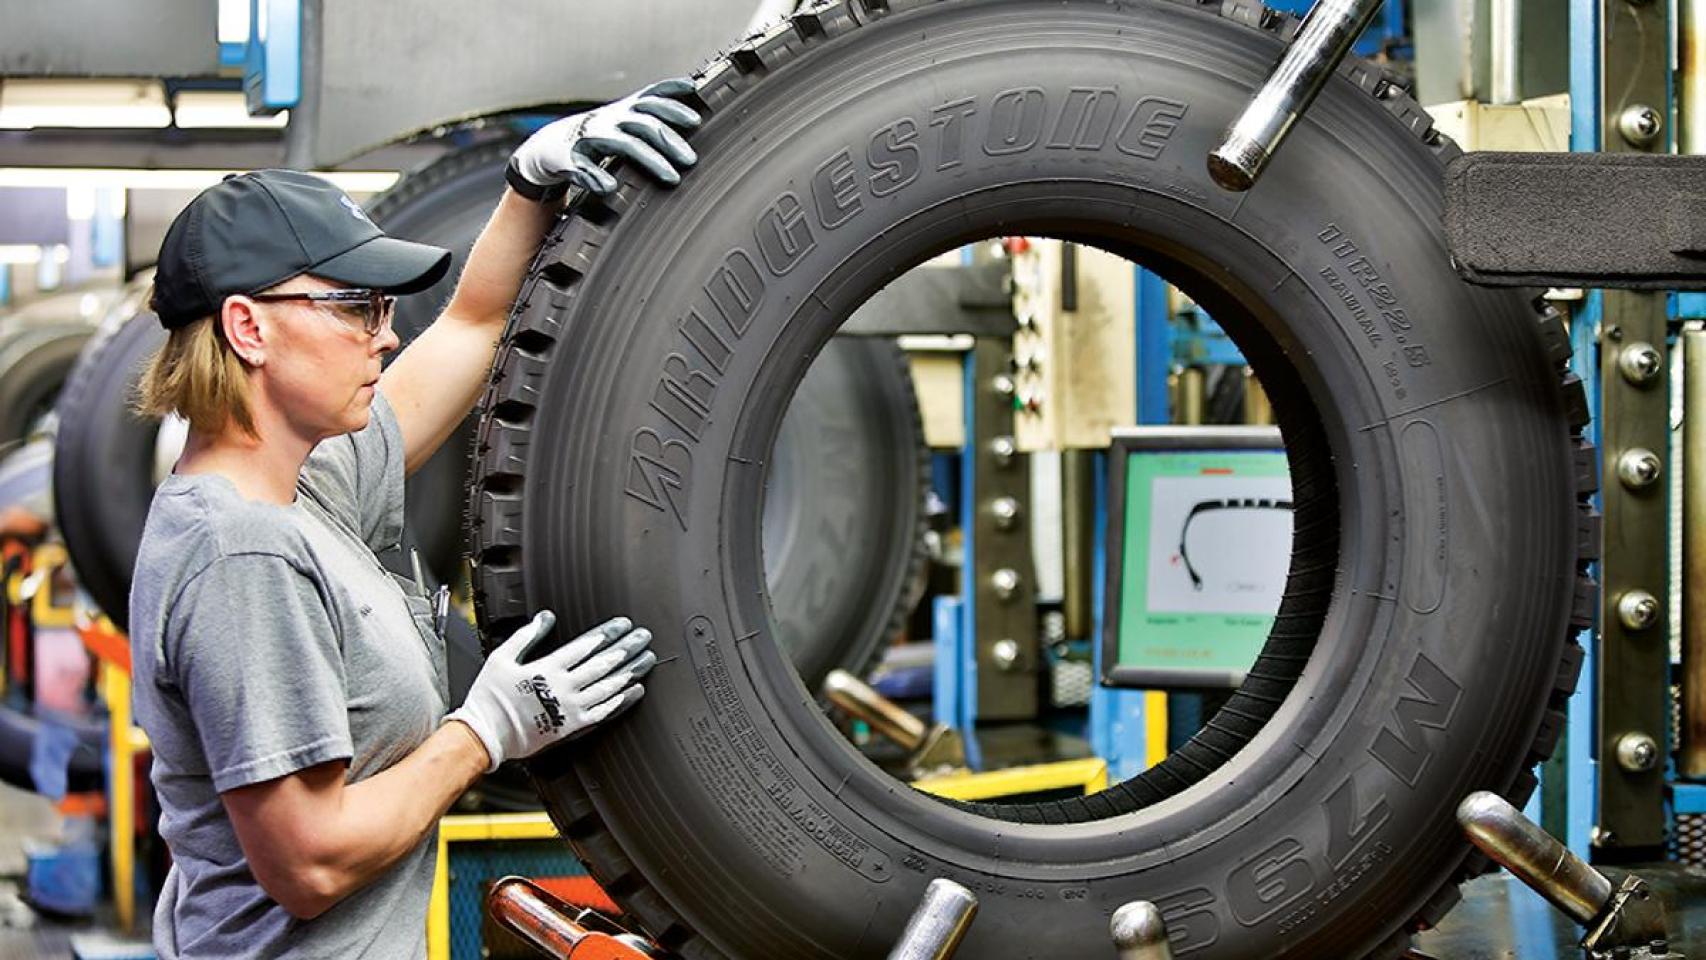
<point>387,339</point>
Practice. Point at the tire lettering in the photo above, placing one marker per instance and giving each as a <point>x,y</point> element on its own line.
<point>705,339</point>
<point>763,773</point>
<point>658,471</point>
<point>784,236</point>
<point>1149,127</point>
<point>1384,299</point>
<point>1401,746</point>
<point>1085,120</point>
<point>1349,827</point>
<point>948,117</point>
<point>894,156</point>
<point>1269,882</point>
<point>684,395</point>
<point>735,289</point>
<point>835,191</point>
<point>1192,923</point>
<point>1015,121</point>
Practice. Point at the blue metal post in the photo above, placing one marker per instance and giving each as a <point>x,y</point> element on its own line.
<point>107,235</point>
<point>956,620</point>
<point>1117,728</point>
<point>1581,786</point>
<point>272,63</point>
<point>1154,358</point>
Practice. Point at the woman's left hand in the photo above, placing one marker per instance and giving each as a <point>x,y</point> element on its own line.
<point>639,129</point>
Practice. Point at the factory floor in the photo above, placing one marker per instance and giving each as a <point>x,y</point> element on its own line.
<point>1499,918</point>
<point>24,933</point>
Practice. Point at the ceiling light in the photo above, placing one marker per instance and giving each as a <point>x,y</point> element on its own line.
<point>350,181</point>
<point>132,104</point>
<point>233,21</point>
<point>220,108</point>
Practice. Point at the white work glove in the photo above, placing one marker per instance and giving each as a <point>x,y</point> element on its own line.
<point>518,709</point>
<point>636,128</point>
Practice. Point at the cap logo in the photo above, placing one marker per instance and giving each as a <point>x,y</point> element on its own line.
<point>355,209</point>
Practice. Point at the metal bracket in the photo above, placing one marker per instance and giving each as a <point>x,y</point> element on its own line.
<point>1635,405</point>
<point>1001,589</point>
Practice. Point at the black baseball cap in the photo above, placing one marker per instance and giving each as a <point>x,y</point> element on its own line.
<point>256,230</point>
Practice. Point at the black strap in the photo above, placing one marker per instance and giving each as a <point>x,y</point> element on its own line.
<point>531,190</point>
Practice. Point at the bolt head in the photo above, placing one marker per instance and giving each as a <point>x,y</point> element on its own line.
<point>1003,449</point>
<point>1005,582</point>
<point>1639,468</point>
<point>1640,125</point>
<point>1637,752</point>
<point>1638,610</point>
<point>1640,363</point>
<point>1003,384</point>
<point>1005,653</point>
<point>1005,510</point>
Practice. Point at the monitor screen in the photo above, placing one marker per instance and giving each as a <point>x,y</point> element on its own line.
<point>1198,547</point>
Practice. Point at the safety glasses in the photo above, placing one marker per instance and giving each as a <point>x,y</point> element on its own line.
<point>373,307</point>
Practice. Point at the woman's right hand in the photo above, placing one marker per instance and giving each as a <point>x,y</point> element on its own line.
<point>518,708</point>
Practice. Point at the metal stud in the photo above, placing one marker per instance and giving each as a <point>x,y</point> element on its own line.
<point>1637,752</point>
<point>1640,125</point>
<point>1637,610</point>
<point>1639,468</point>
<point>1640,363</point>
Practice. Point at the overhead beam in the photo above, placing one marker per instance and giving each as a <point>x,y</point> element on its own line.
<point>384,76</point>
<point>101,38</point>
<point>181,150</point>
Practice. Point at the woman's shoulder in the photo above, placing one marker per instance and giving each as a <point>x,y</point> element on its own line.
<point>203,517</point>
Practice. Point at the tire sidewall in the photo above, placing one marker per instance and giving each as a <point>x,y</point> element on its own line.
<point>1470,445</point>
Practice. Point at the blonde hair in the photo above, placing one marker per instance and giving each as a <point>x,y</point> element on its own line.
<point>198,376</point>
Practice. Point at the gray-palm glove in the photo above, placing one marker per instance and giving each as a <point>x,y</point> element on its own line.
<point>518,709</point>
<point>637,128</point>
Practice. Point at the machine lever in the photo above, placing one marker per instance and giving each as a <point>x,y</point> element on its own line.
<point>560,930</point>
<point>1618,917</point>
<point>932,749</point>
<point>1325,37</point>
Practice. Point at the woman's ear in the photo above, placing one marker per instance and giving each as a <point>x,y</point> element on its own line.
<point>240,319</point>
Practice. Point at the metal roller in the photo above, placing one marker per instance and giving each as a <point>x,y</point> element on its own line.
<point>1536,858</point>
<point>1323,41</point>
<point>1139,932</point>
<point>939,923</point>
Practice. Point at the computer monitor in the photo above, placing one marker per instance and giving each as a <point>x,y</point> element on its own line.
<point>1198,546</point>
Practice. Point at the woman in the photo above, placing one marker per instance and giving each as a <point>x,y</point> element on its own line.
<point>293,689</point>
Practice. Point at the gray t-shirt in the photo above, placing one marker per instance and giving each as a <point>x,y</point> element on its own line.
<point>267,639</point>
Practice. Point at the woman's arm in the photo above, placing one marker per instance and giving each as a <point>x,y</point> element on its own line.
<point>312,839</point>
<point>434,382</point>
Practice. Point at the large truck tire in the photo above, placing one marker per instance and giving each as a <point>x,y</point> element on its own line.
<point>103,460</point>
<point>34,362</point>
<point>1442,529</point>
<point>852,449</point>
